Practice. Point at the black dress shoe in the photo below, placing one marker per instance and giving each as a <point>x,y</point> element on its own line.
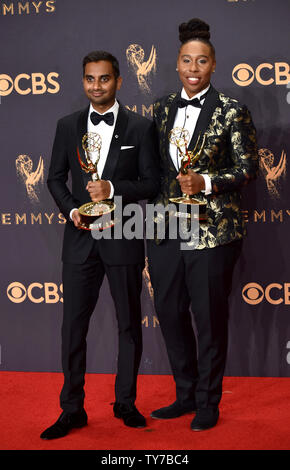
<point>205,418</point>
<point>64,424</point>
<point>175,410</point>
<point>130,415</point>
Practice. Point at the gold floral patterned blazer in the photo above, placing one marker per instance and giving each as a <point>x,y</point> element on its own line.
<point>229,157</point>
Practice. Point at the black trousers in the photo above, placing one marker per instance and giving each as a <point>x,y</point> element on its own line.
<point>81,286</point>
<point>202,280</point>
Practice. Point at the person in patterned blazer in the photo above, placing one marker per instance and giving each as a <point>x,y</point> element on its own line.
<point>200,278</point>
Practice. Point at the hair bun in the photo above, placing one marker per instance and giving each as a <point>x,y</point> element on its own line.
<point>194,29</point>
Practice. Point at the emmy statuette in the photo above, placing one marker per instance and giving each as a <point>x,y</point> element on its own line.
<point>91,211</point>
<point>180,138</point>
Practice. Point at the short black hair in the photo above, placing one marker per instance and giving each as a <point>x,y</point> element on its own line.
<point>96,56</point>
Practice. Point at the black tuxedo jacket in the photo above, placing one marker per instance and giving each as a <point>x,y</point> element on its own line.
<point>133,173</point>
<point>229,157</point>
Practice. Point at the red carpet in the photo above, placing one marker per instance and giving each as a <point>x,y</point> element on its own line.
<point>255,415</point>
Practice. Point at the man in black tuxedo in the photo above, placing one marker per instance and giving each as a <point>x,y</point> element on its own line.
<point>127,168</point>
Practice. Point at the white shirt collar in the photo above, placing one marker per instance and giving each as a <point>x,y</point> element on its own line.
<point>114,109</point>
<point>198,95</point>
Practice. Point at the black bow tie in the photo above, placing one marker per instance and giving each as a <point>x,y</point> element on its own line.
<point>96,118</point>
<point>182,103</point>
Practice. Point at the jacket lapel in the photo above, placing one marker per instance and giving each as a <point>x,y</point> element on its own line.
<point>169,126</point>
<point>116,142</point>
<point>82,128</point>
<point>205,116</point>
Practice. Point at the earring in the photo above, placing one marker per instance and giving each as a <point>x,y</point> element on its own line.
<point>176,69</point>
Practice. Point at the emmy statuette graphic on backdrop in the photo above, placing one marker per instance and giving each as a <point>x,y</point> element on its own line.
<point>92,211</point>
<point>180,138</point>
<point>272,173</point>
<point>31,179</point>
<point>135,57</point>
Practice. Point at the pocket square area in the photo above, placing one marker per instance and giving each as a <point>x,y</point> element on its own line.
<point>124,147</point>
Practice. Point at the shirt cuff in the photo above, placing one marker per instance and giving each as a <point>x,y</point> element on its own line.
<point>70,214</point>
<point>208,187</point>
<point>112,190</point>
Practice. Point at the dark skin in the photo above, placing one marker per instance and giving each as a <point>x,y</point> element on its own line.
<point>100,86</point>
<point>195,65</point>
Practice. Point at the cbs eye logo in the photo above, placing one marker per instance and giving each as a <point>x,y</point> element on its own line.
<point>24,84</point>
<point>275,293</point>
<point>253,293</point>
<point>245,74</point>
<point>48,292</point>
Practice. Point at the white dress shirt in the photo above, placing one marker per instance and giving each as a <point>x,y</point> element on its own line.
<point>187,118</point>
<point>106,133</point>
